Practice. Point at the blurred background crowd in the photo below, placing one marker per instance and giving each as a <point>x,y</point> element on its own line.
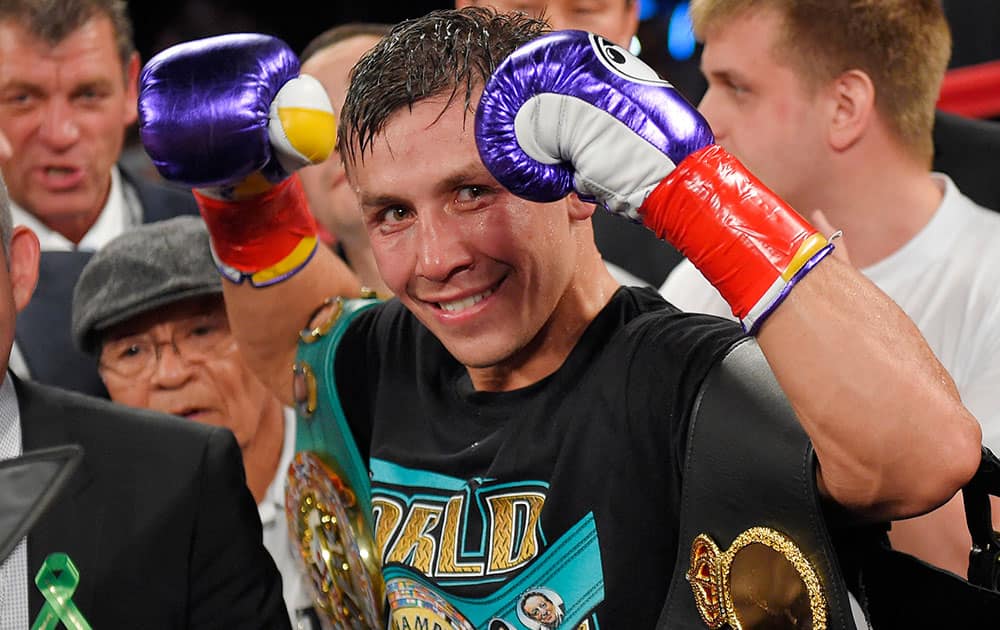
<point>664,37</point>
<point>667,44</point>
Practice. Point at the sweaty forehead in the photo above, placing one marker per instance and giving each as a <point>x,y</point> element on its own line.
<point>420,152</point>
<point>442,121</point>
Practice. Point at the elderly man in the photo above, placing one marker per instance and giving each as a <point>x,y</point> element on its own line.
<point>149,307</point>
<point>155,520</point>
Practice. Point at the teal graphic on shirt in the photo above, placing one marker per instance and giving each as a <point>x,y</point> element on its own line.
<point>436,532</point>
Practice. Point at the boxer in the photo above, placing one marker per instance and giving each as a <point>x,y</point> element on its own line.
<point>521,416</point>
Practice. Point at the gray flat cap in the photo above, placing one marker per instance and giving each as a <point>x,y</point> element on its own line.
<point>146,267</point>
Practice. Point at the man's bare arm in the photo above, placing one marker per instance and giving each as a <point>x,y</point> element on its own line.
<point>266,321</point>
<point>890,431</point>
<point>237,134</point>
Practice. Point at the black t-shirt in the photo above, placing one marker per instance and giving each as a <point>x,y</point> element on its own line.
<point>557,502</point>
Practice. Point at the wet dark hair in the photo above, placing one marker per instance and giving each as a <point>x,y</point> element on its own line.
<point>451,51</point>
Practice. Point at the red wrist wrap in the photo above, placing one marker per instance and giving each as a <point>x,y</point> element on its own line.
<point>261,231</point>
<point>743,238</point>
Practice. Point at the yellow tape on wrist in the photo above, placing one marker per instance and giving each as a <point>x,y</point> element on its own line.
<point>287,265</point>
<point>806,251</point>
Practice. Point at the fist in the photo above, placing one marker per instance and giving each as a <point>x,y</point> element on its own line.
<point>573,111</point>
<point>232,110</point>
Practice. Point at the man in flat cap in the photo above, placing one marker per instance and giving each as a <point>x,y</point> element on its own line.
<point>155,525</point>
<point>149,307</point>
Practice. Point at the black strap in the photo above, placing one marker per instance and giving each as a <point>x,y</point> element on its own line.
<point>750,464</point>
<point>984,558</point>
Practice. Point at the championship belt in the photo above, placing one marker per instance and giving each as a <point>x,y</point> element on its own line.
<point>328,494</point>
<point>758,549</point>
<point>754,548</point>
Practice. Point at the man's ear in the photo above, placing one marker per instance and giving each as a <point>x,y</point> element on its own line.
<point>23,266</point>
<point>852,108</point>
<point>633,19</point>
<point>131,113</point>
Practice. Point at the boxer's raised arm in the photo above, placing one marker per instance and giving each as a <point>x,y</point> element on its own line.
<point>571,111</point>
<point>231,117</point>
<point>266,321</point>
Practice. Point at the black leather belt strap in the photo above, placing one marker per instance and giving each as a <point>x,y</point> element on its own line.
<point>750,464</point>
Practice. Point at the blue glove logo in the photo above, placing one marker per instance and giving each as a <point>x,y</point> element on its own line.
<point>623,63</point>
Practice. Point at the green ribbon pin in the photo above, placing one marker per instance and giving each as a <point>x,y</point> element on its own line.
<point>57,580</point>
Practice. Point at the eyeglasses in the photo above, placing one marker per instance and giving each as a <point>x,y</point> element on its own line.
<point>196,340</point>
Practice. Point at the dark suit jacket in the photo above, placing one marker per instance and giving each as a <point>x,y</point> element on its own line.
<point>43,328</point>
<point>157,518</point>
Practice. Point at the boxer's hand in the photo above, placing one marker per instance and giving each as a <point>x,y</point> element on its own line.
<point>232,110</point>
<point>231,117</point>
<point>573,111</point>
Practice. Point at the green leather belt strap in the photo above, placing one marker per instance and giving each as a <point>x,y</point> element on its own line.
<point>324,429</point>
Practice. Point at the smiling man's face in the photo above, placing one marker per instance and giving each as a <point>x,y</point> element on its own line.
<point>487,272</point>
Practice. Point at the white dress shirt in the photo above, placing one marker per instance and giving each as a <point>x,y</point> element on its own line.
<point>294,588</point>
<point>14,614</point>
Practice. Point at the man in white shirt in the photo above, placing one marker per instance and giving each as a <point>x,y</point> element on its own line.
<point>817,107</point>
<point>68,80</point>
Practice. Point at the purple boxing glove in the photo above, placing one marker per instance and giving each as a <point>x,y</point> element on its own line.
<point>208,111</point>
<point>573,111</point>
<point>231,117</point>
